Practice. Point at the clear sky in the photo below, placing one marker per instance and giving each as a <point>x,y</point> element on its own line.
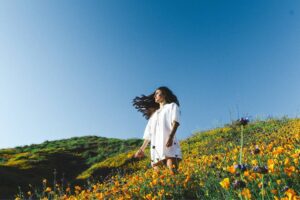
<point>72,68</point>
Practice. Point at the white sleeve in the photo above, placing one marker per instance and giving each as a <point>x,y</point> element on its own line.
<point>147,132</point>
<point>175,113</point>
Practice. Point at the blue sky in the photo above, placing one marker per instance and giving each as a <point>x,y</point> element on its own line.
<point>72,68</point>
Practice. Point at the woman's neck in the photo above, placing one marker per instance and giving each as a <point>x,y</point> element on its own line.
<point>162,104</point>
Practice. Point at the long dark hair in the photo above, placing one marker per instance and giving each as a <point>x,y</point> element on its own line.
<point>147,105</point>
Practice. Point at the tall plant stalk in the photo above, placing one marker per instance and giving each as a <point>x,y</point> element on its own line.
<point>242,140</point>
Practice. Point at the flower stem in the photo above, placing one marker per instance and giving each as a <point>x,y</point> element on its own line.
<point>262,187</point>
<point>242,138</point>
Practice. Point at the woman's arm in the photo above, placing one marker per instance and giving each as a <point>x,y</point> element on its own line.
<point>174,128</point>
<point>175,124</point>
<point>141,150</point>
<point>143,147</point>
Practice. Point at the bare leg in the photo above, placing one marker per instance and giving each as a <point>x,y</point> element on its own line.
<point>170,163</point>
<point>156,168</point>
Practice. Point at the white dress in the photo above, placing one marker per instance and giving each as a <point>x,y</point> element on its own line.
<point>158,130</point>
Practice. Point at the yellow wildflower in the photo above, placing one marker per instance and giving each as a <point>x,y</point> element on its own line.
<point>254,162</point>
<point>231,169</point>
<point>246,193</point>
<point>286,161</point>
<point>225,183</point>
<point>290,193</point>
<point>77,187</point>
<point>271,165</point>
<point>289,170</point>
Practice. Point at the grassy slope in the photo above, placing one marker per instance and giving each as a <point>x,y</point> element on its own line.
<point>26,165</point>
<point>209,159</point>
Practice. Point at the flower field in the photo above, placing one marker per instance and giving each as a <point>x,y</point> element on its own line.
<point>255,160</point>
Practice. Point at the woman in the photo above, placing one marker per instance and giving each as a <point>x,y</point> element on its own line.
<point>161,108</point>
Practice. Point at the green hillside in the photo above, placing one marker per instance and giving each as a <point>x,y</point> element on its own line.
<point>60,159</point>
<point>258,160</point>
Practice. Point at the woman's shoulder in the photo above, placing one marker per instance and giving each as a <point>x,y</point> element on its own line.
<point>152,116</point>
<point>172,104</point>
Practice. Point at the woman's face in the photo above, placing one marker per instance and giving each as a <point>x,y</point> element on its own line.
<point>158,96</point>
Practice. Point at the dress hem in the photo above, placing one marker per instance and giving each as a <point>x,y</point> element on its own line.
<point>164,158</point>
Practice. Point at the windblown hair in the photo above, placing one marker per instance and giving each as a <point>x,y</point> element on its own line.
<point>147,105</point>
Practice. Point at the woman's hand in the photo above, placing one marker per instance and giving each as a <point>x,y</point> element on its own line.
<point>170,141</point>
<point>139,154</point>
